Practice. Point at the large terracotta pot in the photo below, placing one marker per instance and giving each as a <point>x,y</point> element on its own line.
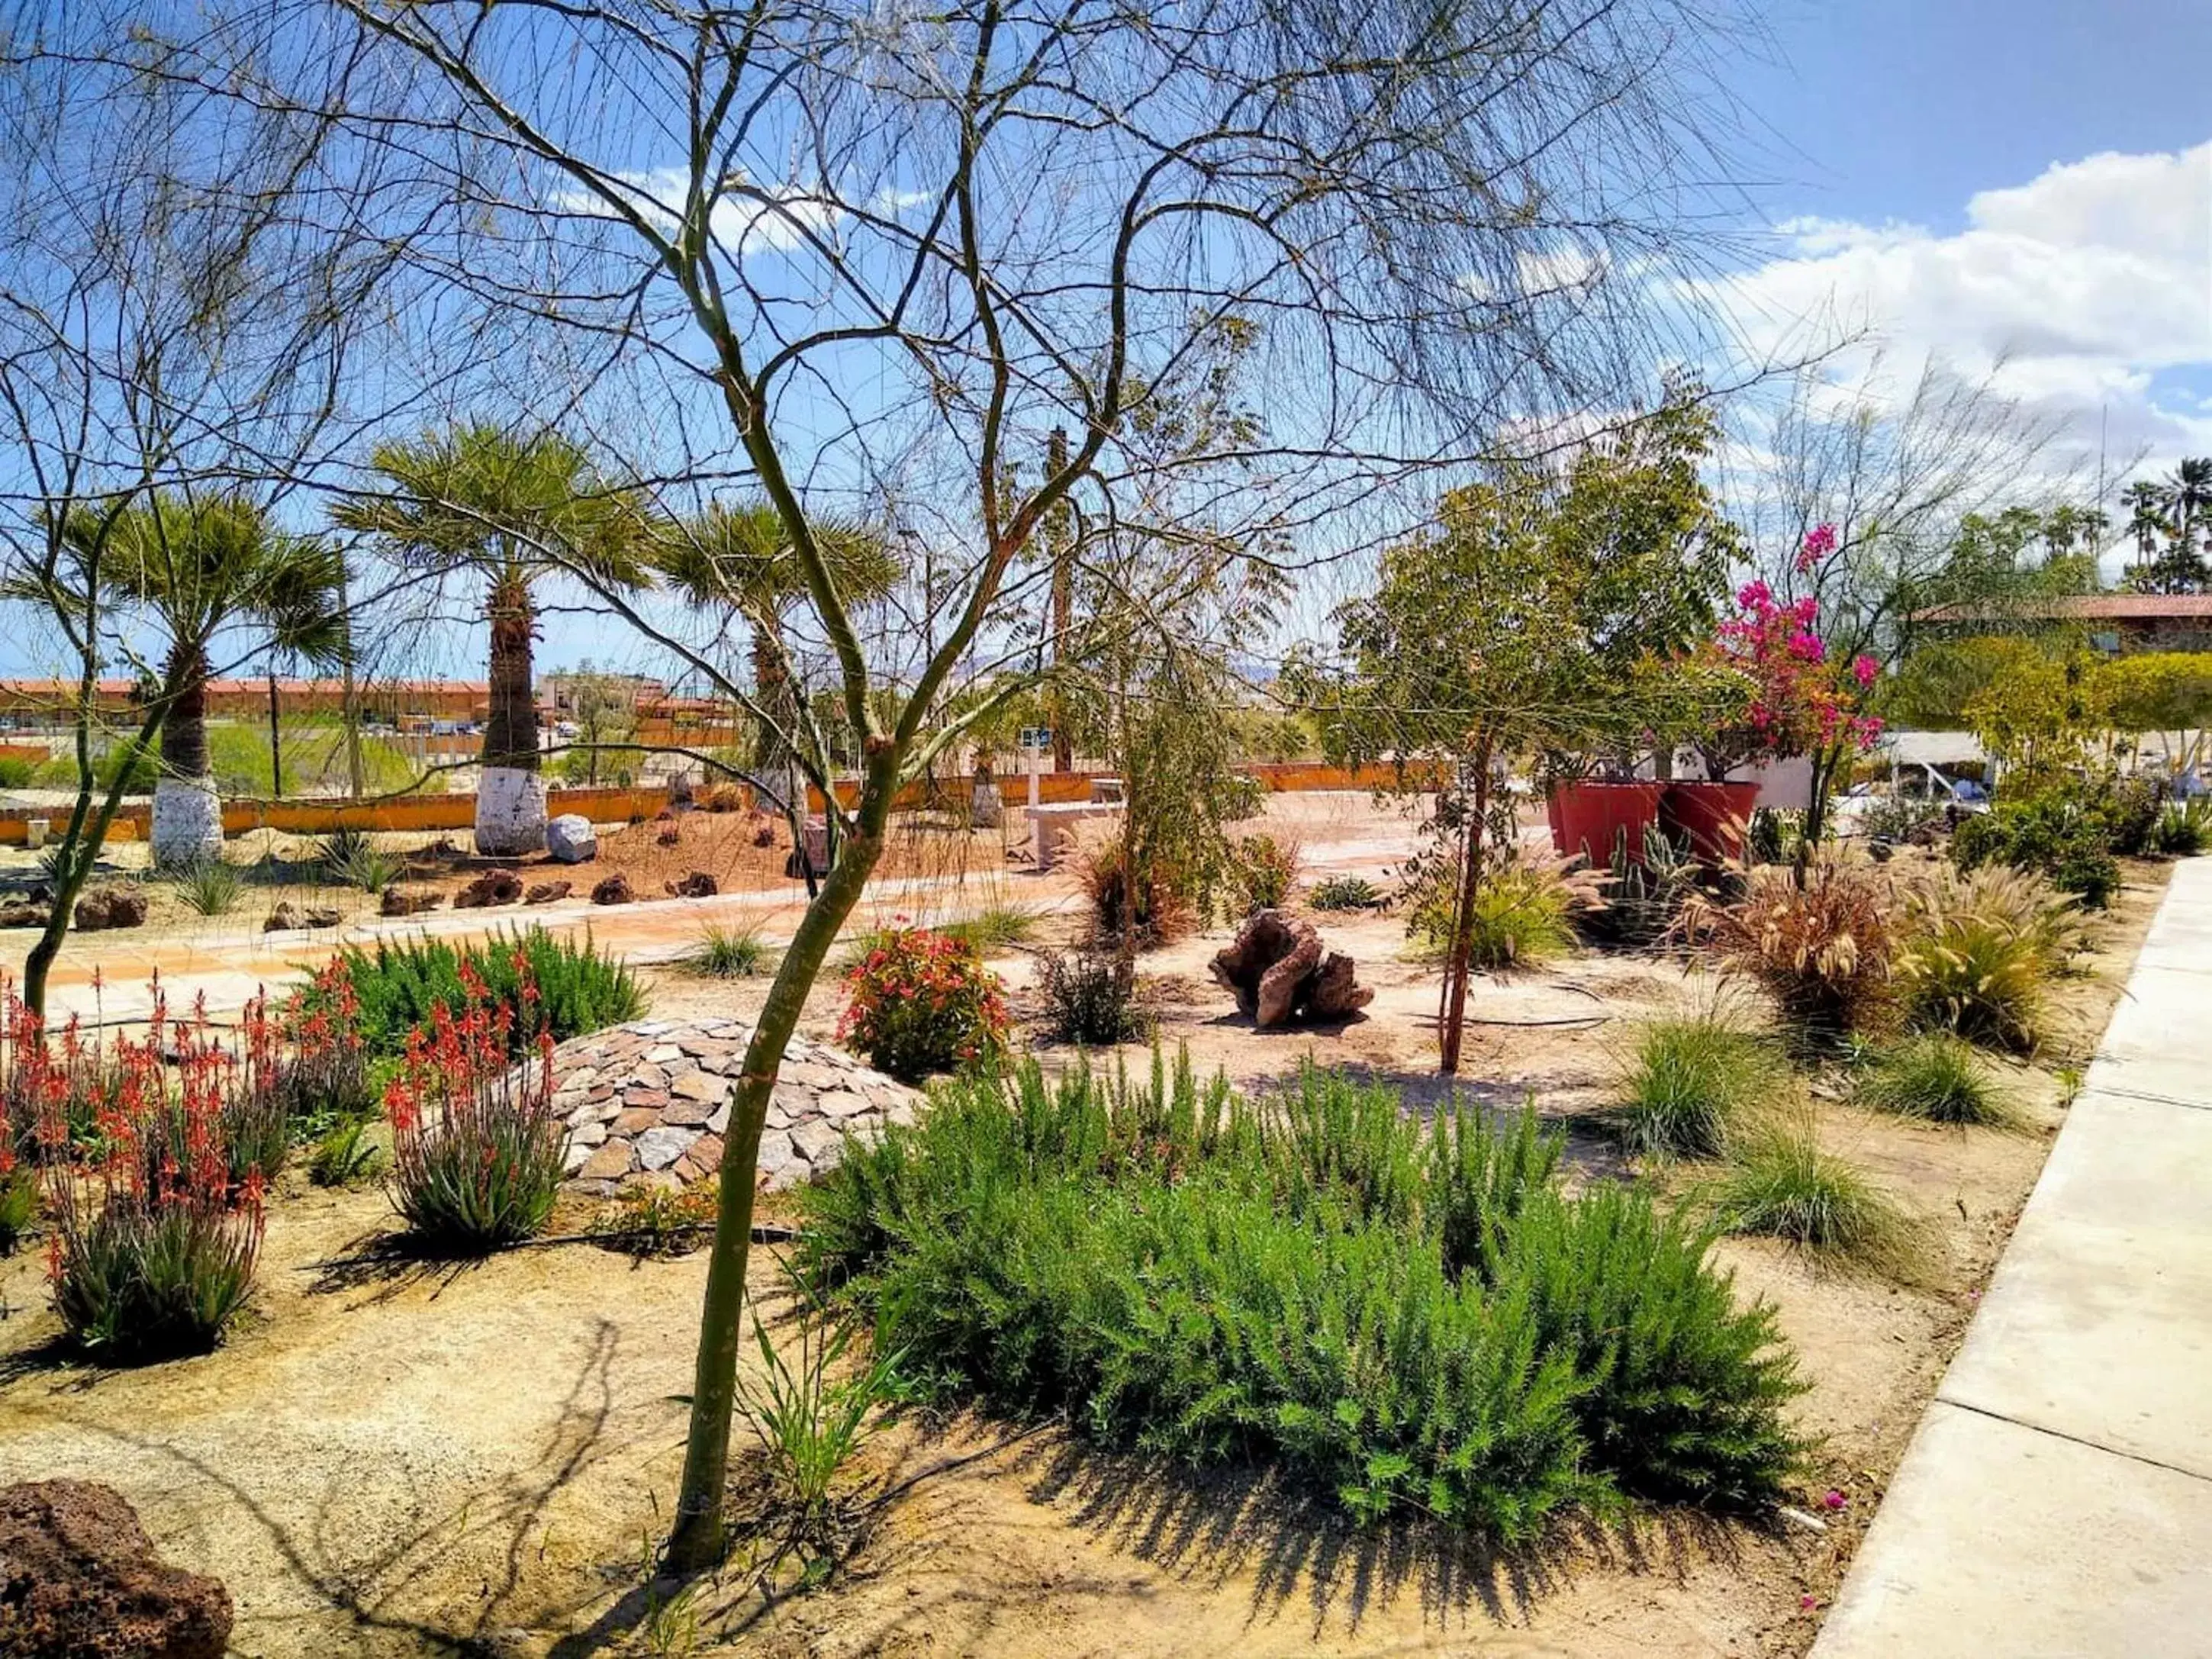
<point>1711,816</point>
<point>1587,815</point>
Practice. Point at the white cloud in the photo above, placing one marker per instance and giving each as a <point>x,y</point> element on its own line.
<point>2073,291</point>
<point>747,219</point>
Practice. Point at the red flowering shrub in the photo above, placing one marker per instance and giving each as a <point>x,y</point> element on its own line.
<point>156,1216</point>
<point>477,1146</point>
<point>922,1002</point>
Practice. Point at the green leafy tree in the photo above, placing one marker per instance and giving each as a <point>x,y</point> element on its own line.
<point>510,507</point>
<point>1549,615</point>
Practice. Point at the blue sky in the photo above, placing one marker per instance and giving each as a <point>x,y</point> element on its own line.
<point>2025,178</point>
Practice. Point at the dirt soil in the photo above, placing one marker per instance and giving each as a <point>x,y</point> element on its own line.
<point>402,1460</point>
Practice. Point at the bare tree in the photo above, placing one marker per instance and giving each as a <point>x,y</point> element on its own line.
<point>183,279</point>
<point>855,260</point>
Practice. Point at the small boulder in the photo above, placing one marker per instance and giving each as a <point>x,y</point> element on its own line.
<point>1280,973</point>
<point>111,907</point>
<point>79,1579</point>
<point>570,839</point>
<point>24,913</point>
<point>613,891</point>
<point>320,916</point>
<point>670,835</point>
<point>547,892</point>
<point>492,887</point>
<point>697,885</point>
<point>411,900</point>
<point>285,915</point>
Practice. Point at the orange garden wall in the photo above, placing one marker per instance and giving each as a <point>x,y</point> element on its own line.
<point>459,811</point>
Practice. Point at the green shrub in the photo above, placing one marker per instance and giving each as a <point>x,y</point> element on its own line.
<point>1977,951</point>
<point>2183,828</point>
<point>923,1002</point>
<point>1691,1085</point>
<point>210,886</point>
<point>2059,833</point>
<point>1265,870</point>
<point>60,772</point>
<point>17,771</point>
<point>1090,997</point>
<point>396,984</point>
<point>730,952</point>
<point>1937,1078</point>
<point>2129,807</point>
<point>315,760</point>
<point>995,927</point>
<point>1522,911</point>
<point>19,1204</point>
<point>1344,893</point>
<point>345,1156</point>
<point>353,860</point>
<point>1785,1187</point>
<point>1413,1322</point>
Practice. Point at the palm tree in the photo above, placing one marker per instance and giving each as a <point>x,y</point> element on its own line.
<point>480,498</point>
<point>199,567</point>
<point>2146,501</point>
<point>739,556</point>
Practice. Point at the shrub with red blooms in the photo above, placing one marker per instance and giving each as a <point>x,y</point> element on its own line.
<point>155,1219</point>
<point>922,1002</point>
<point>477,1146</point>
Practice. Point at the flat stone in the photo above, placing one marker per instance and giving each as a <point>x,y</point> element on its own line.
<point>788,1102</point>
<point>698,1085</point>
<point>842,1102</point>
<point>610,1162</point>
<point>719,1120</point>
<point>688,1113</point>
<point>661,1053</point>
<point>816,1140</point>
<point>651,1099</point>
<point>707,1152</point>
<point>777,1160</point>
<point>658,1148</point>
<point>595,1111</point>
<point>587,1134</point>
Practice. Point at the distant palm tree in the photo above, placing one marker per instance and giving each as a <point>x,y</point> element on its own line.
<point>739,556</point>
<point>2146,501</point>
<point>2190,490</point>
<point>477,498</point>
<point>196,568</point>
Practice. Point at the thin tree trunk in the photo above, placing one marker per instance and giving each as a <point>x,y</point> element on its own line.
<point>1062,539</point>
<point>276,744</point>
<point>1463,939</point>
<point>696,1542</point>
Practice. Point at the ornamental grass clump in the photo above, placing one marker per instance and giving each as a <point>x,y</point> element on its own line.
<point>1784,1186</point>
<point>1937,1077</point>
<point>922,1001</point>
<point>1824,948</point>
<point>1691,1084</point>
<point>1977,949</point>
<point>476,1145</point>
<point>1413,1319</point>
<point>155,1214</point>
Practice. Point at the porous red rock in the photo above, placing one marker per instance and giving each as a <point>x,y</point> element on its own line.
<point>1280,973</point>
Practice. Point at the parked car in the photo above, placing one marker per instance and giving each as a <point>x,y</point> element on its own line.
<point>1914,781</point>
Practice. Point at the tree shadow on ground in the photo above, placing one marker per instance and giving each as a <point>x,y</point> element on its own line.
<point>386,1263</point>
<point>500,1528</point>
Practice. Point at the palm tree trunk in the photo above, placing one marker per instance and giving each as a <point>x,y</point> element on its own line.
<point>188,821</point>
<point>510,791</point>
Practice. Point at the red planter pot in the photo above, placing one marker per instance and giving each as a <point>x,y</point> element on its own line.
<point>1586,816</point>
<point>1711,816</point>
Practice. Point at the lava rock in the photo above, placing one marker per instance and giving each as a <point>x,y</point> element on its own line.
<point>1280,973</point>
<point>79,1580</point>
<point>697,885</point>
<point>23,912</point>
<point>493,887</point>
<point>547,892</point>
<point>570,839</point>
<point>111,907</point>
<point>411,900</point>
<point>613,891</point>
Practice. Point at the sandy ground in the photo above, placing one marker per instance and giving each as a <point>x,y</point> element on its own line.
<point>474,1459</point>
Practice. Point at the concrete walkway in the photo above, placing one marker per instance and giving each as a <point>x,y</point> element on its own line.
<point>2056,1499</point>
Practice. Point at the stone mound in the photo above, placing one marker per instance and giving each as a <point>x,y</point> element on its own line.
<point>648,1102</point>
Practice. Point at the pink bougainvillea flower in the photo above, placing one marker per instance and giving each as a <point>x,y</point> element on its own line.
<point>1835,1499</point>
<point>1806,1603</point>
<point>1864,670</point>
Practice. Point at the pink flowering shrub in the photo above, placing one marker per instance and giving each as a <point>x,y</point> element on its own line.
<point>1802,701</point>
<point>922,1002</point>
